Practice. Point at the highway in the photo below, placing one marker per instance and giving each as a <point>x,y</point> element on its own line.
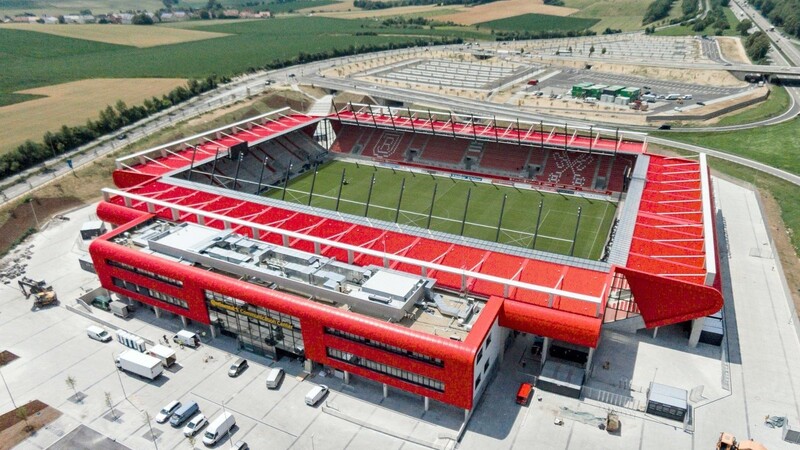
<point>243,87</point>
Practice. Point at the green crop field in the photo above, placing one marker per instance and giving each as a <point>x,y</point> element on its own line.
<point>540,22</point>
<point>557,225</point>
<point>32,59</point>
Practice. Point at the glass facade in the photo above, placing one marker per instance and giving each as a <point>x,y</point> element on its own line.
<point>385,369</point>
<point>383,346</point>
<point>259,330</point>
<point>145,273</point>
<point>150,293</point>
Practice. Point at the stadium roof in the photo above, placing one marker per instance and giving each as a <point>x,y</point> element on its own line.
<point>670,242</point>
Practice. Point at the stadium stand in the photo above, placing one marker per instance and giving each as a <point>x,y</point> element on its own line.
<point>444,150</point>
<point>504,157</point>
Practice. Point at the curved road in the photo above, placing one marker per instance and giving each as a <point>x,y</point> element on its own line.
<point>246,86</point>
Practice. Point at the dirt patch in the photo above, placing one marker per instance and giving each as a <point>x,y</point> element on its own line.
<point>24,217</point>
<point>733,50</point>
<point>72,104</point>
<point>504,9</point>
<point>130,35</point>
<point>14,430</point>
<point>701,77</point>
<point>6,357</point>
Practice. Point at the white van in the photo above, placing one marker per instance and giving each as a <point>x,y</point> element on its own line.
<point>218,428</point>
<point>315,395</point>
<point>274,378</point>
<point>673,96</point>
<point>98,334</point>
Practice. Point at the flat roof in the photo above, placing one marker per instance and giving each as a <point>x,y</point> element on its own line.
<point>372,291</point>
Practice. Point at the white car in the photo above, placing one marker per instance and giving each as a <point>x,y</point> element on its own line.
<point>167,411</point>
<point>195,425</point>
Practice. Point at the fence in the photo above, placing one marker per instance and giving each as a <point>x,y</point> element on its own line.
<point>619,400</point>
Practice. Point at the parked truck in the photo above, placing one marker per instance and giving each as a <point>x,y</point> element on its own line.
<point>165,354</point>
<point>186,338</point>
<point>140,364</point>
<point>119,309</point>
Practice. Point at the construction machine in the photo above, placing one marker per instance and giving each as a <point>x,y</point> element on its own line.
<point>42,292</point>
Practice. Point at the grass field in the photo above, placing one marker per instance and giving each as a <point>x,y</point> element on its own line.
<point>540,22</point>
<point>680,30</point>
<point>558,221</point>
<point>130,35</point>
<point>72,104</point>
<point>56,7</point>
<point>774,145</point>
<point>617,14</point>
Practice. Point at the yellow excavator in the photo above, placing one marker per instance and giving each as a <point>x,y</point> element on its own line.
<point>42,292</point>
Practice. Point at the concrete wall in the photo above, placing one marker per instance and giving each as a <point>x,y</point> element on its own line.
<point>709,115</point>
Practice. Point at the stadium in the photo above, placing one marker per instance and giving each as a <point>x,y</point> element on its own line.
<point>413,247</point>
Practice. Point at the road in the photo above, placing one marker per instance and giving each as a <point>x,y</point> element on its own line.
<point>240,88</point>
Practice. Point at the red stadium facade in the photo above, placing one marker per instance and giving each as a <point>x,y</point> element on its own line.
<point>661,269</point>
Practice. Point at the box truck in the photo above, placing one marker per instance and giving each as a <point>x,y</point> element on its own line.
<point>165,354</point>
<point>140,364</point>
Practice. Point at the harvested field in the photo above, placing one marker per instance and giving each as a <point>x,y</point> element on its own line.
<point>12,429</point>
<point>355,13</point>
<point>72,104</point>
<point>504,9</point>
<point>733,50</point>
<point>130,35</point>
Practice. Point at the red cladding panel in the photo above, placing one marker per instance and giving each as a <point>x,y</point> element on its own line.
<point>125,178</point>
<point>118,214</point>
<point>564,326</point>
<point>457,356</point>
<point>664,301</point>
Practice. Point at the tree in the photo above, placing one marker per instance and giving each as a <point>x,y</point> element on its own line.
<point>72,382</point>
<point>110,404</point>
<point>591,50</point>
<point>142,19</point>
<point>22,414</point>
<point>603,51</point>
<point>743,26</point>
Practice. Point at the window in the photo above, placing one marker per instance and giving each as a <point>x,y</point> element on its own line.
<point>148,292</point>
<point>480,355</point>
<point>486,366</point>
<point>383,346</point>
<point>488,340</point>
<point>477,382</point>
<point>385,369</point>
<point>146,273</point>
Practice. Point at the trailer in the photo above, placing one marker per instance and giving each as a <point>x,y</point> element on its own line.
<point>165,354</point>
<point>140,364</point>
<point>119,309</point>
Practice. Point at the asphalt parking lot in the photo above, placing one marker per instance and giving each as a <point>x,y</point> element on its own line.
<point>52,345</point>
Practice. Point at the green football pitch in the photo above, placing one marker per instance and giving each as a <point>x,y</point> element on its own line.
<point>557,225</point>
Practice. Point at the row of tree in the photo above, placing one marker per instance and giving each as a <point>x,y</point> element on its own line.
<point>757,45</point>
<point>303,57</point>
<point>385,4</point>
<point>689,8</point>
<point>782,13</point>
<point>657,10</point>
<point>547,34</point>
<point>715,20</point>
<point>67,138</point>
<point>554,2</point>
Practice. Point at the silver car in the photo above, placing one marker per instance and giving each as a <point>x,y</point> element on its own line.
<point>195,425</point>
<point>167,411</point>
